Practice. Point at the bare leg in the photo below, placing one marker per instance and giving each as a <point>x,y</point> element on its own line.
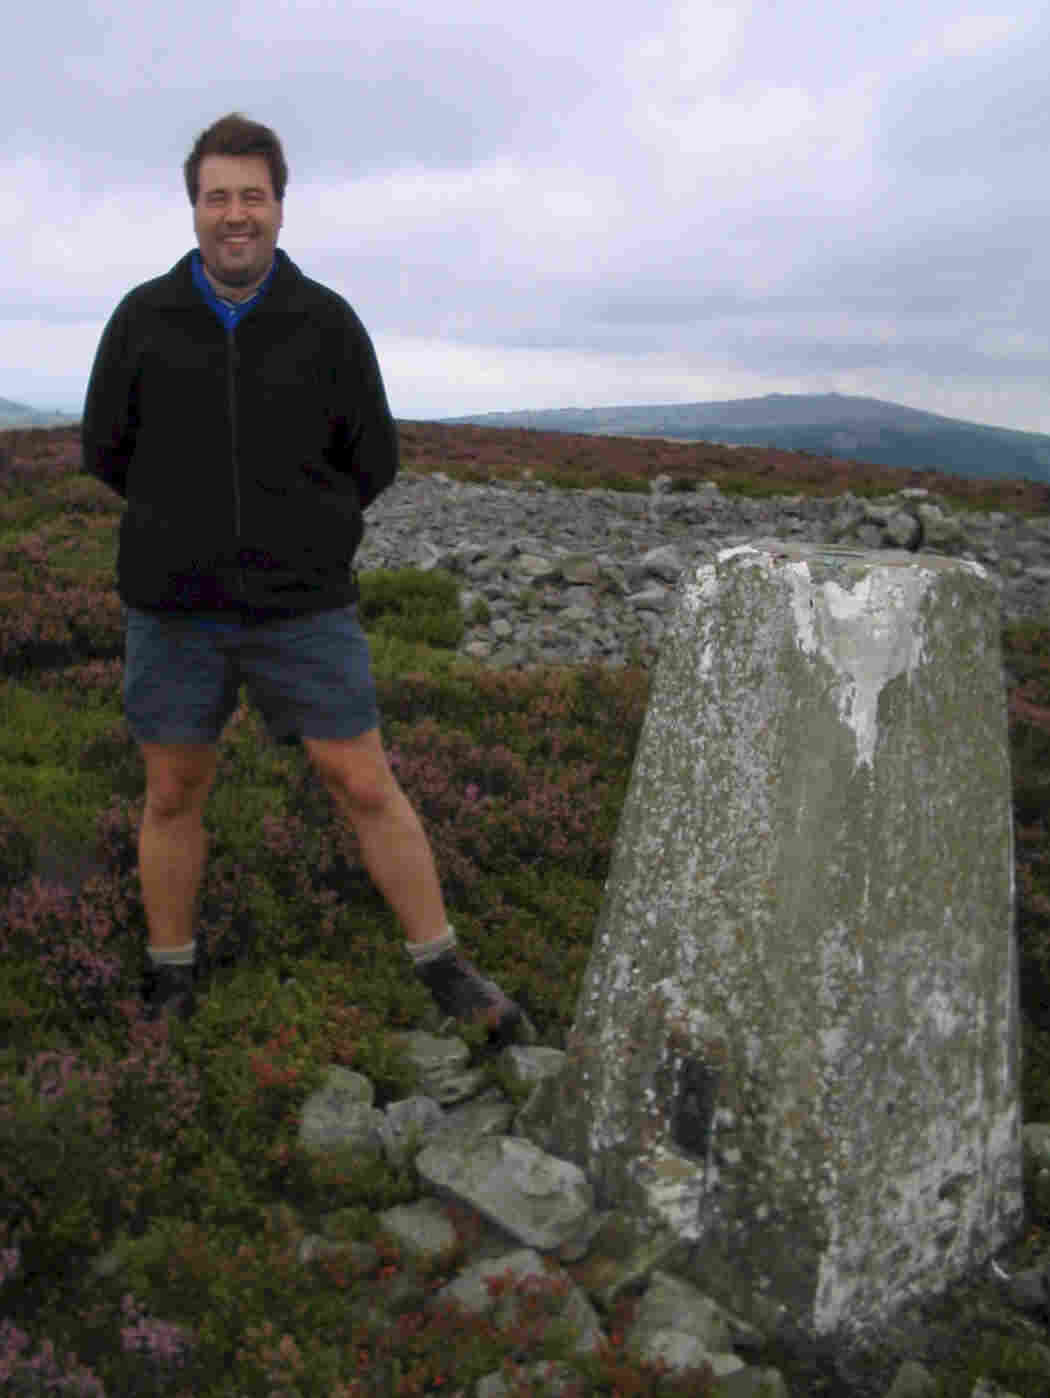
<point>397,854</point>
<point>172,839</point>
<point>394,846</point>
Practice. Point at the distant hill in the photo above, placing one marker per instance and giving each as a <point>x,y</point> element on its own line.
<point>827,424</point>
<point>20,415</point>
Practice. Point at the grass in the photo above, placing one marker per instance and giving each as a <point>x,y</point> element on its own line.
<point>178,1155</point>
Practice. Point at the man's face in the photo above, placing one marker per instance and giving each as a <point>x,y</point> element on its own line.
<point>236,219</point>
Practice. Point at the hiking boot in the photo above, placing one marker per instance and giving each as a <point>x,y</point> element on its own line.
<point>169,992</point>
<point>462,993</point>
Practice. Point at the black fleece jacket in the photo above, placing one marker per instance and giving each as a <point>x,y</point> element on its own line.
<point>247,456</point>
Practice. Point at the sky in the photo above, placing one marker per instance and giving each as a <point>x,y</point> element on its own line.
<point>565,205</point>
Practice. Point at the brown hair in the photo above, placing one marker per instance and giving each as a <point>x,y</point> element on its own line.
<point>236,135</point>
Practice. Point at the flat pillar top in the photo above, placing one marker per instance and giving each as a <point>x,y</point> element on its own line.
<point>849,560</point>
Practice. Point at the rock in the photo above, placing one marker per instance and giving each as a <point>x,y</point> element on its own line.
<point>535,1197</point>
<point>671,1305</point>
<point>442,1066</point>
<point>941,532</point>
<point>530,1065</point>
<point>362,1256</point>
<point>751,1383</point>
<point>912,1381</point>
<point>547,1379</point>
<point>664,562</point>
<point>651,599</point>
<point>340,1113</point>
<point>1028,1290</point>
<point>985,1388</point>
<point>535,567</point>
<point>490,1286</point>
<point>589,542</point>
<point>579,568</point>
<point>488,1115</point>
<point>1035,1138</point>
<point>902,530</point>
<point>408,1124</point>
<point>681,1352</point>
<point>422,1228</point>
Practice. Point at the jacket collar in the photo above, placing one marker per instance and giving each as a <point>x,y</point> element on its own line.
<point>176,289</point>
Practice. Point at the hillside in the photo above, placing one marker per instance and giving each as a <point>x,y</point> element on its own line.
<point>830,424</point>
<point>585,460</point>
<point>21,415</point>
<point>131,1212</point>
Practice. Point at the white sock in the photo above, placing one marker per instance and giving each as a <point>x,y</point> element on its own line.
<point>173,956</point>
<point>423,952</point>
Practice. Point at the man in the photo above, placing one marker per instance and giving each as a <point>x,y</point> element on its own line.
<point>238,408</point>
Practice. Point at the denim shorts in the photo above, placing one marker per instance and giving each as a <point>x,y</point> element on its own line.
<point>309,677</point>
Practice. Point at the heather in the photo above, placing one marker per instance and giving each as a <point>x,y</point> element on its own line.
<point>177,1149</point>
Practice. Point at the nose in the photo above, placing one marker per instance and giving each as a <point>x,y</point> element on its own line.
<point>236,210</point>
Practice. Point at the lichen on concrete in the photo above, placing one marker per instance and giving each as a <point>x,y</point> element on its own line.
<point>811,897</point>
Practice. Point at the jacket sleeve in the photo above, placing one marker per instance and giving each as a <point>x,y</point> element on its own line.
<point>110,420</point>
<point>366,434</point>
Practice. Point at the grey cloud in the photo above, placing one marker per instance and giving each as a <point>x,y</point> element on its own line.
<point>387,91</point>
<point>986,116</point>
<point>935,247</point>
<point>950,357</point>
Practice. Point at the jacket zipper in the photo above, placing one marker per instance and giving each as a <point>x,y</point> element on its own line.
<point>231,391</point>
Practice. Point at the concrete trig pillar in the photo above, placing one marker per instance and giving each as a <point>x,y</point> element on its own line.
<point>797,1038</point>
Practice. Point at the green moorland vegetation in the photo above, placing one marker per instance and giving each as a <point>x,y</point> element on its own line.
<point>178,1149</point>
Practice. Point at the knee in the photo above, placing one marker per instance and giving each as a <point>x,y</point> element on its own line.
<point>361,794</point>
<point>175,802</point>
<point>360,783</point>
<point>176,796</point>
<point>356,774</point>
<point>178,780</point>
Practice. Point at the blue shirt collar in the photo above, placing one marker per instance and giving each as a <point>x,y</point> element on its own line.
<point>230,313</point>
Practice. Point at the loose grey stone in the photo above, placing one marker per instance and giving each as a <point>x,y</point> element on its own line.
<point>441,1064</point>
<point>340,1113</point>
<point>408,1125</point>
<point>678,1351</point>
<point>664,562</point>
<point>579,568</point>
<point>670,1304</point>
<point>912,1381</point>
<point>471,1291</point>
<point>1028,1290</point>
<point>531,1064</point>
<point>651,599</point>
<point>535,566</point>
<point>985,1388</point>
<point>452,1088</point>
<point>547,1378</point>
<point>314,1245</point>
<point>903,530</point>
<point>422,1228</point>
<point>1035,1138</point>
<point>488,1115</point>
<point>594,540</point>
<point>535,1197</point>
<point>752,1383</point>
